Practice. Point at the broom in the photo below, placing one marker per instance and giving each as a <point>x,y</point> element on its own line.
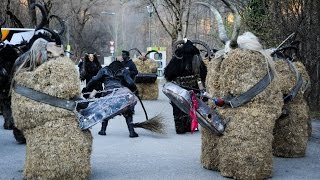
<point>154,124</point>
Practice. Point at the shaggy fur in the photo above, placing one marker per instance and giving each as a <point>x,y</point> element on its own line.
<point>245,149</point>
<point>147,91</point>
<point>191,64</point>
<point>8,55</point>
<point>291,132</point>
<point>56,147</point>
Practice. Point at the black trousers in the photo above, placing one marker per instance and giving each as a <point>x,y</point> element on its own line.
<point>182,120</point>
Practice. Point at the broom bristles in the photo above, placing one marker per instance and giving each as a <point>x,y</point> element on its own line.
<point>154,124</point>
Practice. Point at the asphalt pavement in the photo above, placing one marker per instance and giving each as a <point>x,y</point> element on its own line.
<point>155,157</point>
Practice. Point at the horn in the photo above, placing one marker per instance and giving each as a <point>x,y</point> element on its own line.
<point>44,20</point>
<point>221,28</point>
<point>55,36</point>
<point>63,26</point>
<point>136,49</point>
<point>236,26</point>
<point>210,54</point>
<point>175,48</point>
<point>175,54</point>
<point>150,52</point>
<point>175,44</point>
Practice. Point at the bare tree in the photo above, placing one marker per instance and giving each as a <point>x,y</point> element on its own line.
<point>174,16</point>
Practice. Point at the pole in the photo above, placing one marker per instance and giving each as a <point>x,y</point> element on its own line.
<point>150,29</point>
<point>115,35</point>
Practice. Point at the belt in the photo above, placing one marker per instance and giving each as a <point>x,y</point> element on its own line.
<point>45,98</point>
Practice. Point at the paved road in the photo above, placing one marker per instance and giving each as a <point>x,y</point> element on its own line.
<point>152,156</point>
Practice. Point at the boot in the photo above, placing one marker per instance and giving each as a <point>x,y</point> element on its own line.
<point>132,133</point>
<point>7,115</point>
<point>103,128</point>
<point>18,135</point>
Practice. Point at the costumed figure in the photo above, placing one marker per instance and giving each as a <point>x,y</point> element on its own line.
<point>89,68</point>
<point>116,76</point>
<point>8,54</point>
<point>185,69</point>
<point>243,76</point>
<point>291,129</point>
<point>146,79</point>
<point>44,84</point>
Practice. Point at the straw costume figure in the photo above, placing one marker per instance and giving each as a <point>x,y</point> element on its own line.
<point>243,75</point>
<point>146,79</point>
<point>291,129</point>
<point>56,147</point>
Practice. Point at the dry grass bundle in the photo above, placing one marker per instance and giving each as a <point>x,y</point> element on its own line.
<point>148,91</point>
<point>154,124</point>
<point>209,141</point>
<point>209,150</point>
<point>245,149</point>
<point>146,66</point>
<point>291,132</point>
<point>305,90</point>
<point>56,147</point>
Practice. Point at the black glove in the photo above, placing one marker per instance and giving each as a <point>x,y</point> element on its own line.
<point>80,105</point>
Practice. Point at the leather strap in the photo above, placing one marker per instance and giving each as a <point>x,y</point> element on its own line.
<point>251,93</point>
<point>294,91</point>
<point>45,98</point>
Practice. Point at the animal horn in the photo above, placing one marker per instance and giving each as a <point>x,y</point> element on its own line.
<point>210,54</point>
<point>136,49</point>
<point>150,52</point>
<point>175,48</point>
<point>175,44</point>
<point>236,26</point>
<point>44,20</point>
<point>63,26</point>
<point>221,28</point>
<point>54,36</point>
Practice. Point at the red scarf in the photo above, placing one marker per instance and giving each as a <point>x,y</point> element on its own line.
<point>192,112</point>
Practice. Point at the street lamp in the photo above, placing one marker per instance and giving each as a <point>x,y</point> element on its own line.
<point>115,31</point>
<point>150,11</point>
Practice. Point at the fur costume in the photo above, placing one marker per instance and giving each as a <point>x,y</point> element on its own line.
<point>8,55</point>
<point>147,91</point>
<point>244,151</point>
<point>185,68</point>
<point>291,129</point>
<point>56,147</point>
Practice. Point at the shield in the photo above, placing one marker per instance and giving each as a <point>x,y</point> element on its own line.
<point>206,117</point>
<point>114,103</point>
